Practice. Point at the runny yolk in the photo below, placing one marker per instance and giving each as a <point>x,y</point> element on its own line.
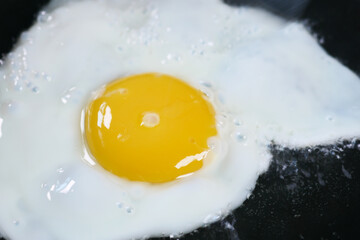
<point>149,127</point>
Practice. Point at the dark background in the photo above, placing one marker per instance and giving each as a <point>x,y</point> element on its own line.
<point>306,193</point>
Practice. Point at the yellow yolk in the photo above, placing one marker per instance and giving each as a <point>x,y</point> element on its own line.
<point>149,127</point>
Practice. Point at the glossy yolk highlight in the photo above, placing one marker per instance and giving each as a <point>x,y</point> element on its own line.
<point>149,127</point>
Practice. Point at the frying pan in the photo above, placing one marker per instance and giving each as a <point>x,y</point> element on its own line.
<point>309,193</point>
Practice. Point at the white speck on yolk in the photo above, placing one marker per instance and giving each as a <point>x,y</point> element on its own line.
<point>150,120</point>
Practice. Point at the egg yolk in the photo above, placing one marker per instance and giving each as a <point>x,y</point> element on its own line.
<point>149,127</point>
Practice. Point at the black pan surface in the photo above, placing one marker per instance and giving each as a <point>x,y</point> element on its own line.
<point>306,193</point>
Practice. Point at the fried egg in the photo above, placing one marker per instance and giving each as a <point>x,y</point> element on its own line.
<point>128,119</point>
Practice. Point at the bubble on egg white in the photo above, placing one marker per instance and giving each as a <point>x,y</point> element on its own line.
<point>44,17</point>
<point>268,79</point>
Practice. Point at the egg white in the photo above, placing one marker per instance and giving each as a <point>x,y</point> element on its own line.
<point>274,81</point>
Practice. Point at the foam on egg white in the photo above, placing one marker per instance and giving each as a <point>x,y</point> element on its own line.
<point>271,78</point>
